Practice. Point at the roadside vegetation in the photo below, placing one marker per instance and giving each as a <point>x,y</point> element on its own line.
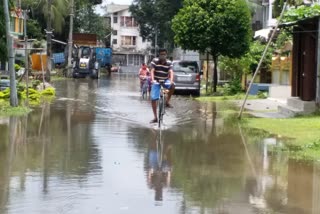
<point>36,93</point>
<point>301,136</point>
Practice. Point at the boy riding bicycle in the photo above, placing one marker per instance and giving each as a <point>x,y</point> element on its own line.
<point>161,70</point>
<point>143,73</point>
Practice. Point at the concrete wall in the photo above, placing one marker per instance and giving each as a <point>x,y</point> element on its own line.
<point>280,91</point>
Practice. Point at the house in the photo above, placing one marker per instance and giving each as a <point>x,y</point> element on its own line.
<point>17,29</point>
<point>305,81</point>
<point>262,14</point>
<point>129,49</point>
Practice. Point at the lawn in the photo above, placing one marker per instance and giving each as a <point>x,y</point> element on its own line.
<point>304,133</point>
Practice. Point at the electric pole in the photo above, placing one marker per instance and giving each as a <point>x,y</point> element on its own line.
<point>25,14</point>
<point>13,86</point>
<point>49,42</point>
<point>70,40</point>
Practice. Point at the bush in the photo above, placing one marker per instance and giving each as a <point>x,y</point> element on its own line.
<point>17,67</point>
<point>262,94</point>
<point>35,83</point>
<point>232,88</point>
<point>49,91</point>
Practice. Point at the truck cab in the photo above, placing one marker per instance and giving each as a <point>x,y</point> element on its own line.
<point>85,62</point>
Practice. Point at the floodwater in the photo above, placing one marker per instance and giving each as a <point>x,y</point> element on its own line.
<point>93,151</point>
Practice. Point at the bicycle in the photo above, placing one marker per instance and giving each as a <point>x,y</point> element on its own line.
<point>162,102</point>
<point>144,88</point>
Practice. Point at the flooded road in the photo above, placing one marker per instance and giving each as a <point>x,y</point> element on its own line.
<point>93,151</point>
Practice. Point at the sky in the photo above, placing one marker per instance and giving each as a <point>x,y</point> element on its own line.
<point>105,2</point>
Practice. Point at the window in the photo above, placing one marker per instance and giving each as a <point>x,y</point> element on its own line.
<point>128,21</point>
<point>114,32</point>
<point>128,40</point>
<point>115,19</point>
<point>114,41</point>
<point>85,52</point>
<point>185,66</point>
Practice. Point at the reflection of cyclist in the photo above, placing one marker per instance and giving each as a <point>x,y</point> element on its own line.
<point>161,70</point>
<point>159,168</point>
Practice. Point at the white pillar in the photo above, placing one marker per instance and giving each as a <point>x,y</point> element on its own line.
<point>270,13</point>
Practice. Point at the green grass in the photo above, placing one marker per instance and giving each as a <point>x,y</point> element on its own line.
<point>240,96</point>
<point>303,133</point>
<point>7,110</point>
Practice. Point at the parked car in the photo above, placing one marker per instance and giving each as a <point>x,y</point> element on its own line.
<point>187,76</point>
<point>4,82</point>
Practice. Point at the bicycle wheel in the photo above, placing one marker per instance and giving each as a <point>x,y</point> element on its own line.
<point>159,149</point>
<point>160,109</point>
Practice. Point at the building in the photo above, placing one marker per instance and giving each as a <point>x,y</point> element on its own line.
<point>17,29</point>
<point>129,49</point>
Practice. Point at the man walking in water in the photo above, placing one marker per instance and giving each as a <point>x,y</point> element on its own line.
<point>161,69</point>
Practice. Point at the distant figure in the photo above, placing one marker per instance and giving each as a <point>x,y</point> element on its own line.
<point>143,73</point>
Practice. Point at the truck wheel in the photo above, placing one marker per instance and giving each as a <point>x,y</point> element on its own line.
<point>95,74</point>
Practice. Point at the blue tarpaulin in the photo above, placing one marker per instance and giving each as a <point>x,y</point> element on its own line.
<point>58,58</point>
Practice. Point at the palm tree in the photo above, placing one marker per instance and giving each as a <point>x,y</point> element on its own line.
<point>54,12</point>
<point>59,9</point>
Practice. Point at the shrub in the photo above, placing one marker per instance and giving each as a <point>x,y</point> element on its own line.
<point>49,91</point>
<point>262,94</point>
<point>17,67</point>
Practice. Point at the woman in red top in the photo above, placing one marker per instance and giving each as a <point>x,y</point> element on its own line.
<point>143,73</point>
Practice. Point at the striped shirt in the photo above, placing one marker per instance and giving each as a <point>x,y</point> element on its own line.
<point>161,70</point>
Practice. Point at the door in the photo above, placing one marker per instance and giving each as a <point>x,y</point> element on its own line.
<point>308,65</point>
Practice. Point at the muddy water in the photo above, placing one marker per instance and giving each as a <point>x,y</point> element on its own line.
<point>94,151</point>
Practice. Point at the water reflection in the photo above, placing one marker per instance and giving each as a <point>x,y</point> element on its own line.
<point>34,148</point>
<point>71,157</point>
<point>159,164</point>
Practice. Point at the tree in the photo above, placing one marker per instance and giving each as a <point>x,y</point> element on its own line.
<point>3,38</point>
<point>34,29</point>
<point>3,43</point>
<point>40,12</point>
<point>154,19</point>
<point>221,27</point>
<point>87,21</point>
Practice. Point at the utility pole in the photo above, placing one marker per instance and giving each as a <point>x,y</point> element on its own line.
<point>156,42</point>
<point>49,42</point>
<point>13,87</point>
<point>70,40</point>
<point>25,14</point>
<point>318,66</point>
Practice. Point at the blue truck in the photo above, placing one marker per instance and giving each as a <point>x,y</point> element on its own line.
<point>88,58</point>
<point>88,61</point>
<point>104,56</point>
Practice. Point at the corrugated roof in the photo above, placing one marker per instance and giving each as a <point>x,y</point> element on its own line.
<point>113,8</point>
